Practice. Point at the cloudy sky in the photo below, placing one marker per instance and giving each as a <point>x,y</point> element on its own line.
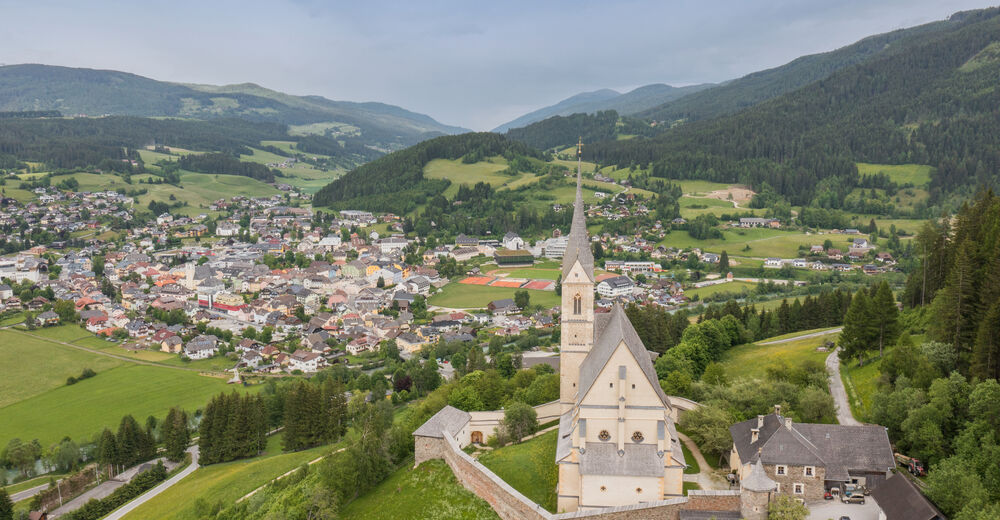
<point>468,63</point>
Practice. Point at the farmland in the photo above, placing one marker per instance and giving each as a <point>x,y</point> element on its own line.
<point>728,287</point>
<point>50,411</point>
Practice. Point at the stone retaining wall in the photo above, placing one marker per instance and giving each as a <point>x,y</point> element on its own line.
<point>510,504</point>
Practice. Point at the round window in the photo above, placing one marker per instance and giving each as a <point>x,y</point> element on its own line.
<point>604,435</point>
<point>637,436</point>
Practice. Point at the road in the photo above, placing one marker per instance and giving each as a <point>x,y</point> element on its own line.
<point>145,497</point>
<point>837,390</point>
<point>28,493</point>
<point>804,336</point>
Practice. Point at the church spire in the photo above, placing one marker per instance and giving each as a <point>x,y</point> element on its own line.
<point>578,246</point>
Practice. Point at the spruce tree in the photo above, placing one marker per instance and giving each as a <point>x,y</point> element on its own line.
<point>859,331</point>
<point>107,449</point>
<point>886,316</point>
<point>724,262</point>
<point>986,354</point>
<point>6,506</point>
<point>176,436</point>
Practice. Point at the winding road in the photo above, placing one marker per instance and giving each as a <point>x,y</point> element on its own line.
<point>838,392</point>
<point>120,513</point>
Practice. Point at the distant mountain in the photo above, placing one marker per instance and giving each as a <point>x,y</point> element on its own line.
<point>733,96</point>
<point>75,91</point>
<point>631,102</point>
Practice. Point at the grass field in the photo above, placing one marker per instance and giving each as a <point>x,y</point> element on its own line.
<point>427,492</point>
<point>528,467</point>
<point>461,296</point>
<point>84,409</point>
<point>728,287</point>
<point>916,174</point>
<point>860,384</point>
<point>691,486</point>
<point>762,242</point>
<point>460,173</point>
<point>224,483</point>
<point>34,366</point>
<point>752,360</point>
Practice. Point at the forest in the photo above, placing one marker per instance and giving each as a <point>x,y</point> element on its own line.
<point>560,131</point>
<point>396,182</point>
<point>923,103</point>
<point>226,164</point>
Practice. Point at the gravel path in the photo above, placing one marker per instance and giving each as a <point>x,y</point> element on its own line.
<point>837,390</point>
<point>706,479</point>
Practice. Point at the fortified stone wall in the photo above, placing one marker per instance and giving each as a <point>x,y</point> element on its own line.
<point>510,504</point>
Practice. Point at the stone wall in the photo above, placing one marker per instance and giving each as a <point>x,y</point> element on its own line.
<point>814,487</point>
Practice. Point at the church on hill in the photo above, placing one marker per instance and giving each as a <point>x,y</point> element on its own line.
<point>617,441</point>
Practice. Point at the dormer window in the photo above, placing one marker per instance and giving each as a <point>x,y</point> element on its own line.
<point>578,304</point>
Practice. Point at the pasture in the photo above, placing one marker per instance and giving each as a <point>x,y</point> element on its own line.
<point>461,296</point>
<point>34,366</point>
<point>752,360</point>
<point>762,242</point>
<point>529,467</point>
<point>916,174</point>
<point>734,287</point>
<point>427,492</point>
<point>84,409</point>
<point>224,483</point>
<point>459,173</point>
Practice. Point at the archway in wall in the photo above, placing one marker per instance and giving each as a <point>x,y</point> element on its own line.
<point>477,437</point>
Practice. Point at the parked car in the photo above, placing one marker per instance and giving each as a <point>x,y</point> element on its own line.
<point>827,496</point>
<point>854,499</point>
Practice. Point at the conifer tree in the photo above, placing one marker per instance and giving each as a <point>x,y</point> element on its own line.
<point>859,328</point>
<point>886,316</point>
<point>176,435</point>
<point>107,449</point>
<point>986,354</point>
<point>6,506</point>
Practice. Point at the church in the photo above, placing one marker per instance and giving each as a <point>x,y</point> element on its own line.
<point>617,441</point>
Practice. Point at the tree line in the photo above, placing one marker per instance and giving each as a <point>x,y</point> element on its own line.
<point>232,426</point>
<point>225,164</point>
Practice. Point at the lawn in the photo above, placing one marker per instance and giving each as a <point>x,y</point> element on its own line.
<point>529,467</point>
<point>691,486</point>
<point>461,296</point>
<point>34,366</point>
<point>728,287</point>
<point>84,409</point>
<point>13,319</point>
<point>860,384</point>
<point>916,174</point>
<point>752,360</point>
<point>224,483</point>
<point>429,491</point>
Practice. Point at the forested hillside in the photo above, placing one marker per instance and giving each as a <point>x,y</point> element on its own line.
<point>634,101</point>
<point>559,131</point>
<point>74,91</point>
<point>396,182</point>
<point>932,102</point>
<point>733,96</point>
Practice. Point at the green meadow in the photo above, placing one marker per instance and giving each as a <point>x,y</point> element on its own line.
<point>752,360</point>
<point>916,174</point>
<point>529,467</point>
<point>461,296</point>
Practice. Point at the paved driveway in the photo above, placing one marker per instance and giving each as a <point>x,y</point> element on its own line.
<point>834,509</point>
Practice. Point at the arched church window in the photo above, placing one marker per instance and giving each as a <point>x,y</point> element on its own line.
<point>578,304</point>
<point>637,436</point>
<point>604,435</point>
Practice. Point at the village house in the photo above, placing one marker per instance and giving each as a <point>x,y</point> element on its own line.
<point>202,347</point>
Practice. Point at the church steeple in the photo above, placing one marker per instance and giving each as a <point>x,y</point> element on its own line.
<point>578,245</point>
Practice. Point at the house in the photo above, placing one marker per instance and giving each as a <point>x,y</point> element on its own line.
<point>202,347</point>
<point>752,222</point>
<point>799,262</point>
<point>504,306</point>
<point>47,318</point>
<point>806,460</point>
<point>172,344</point>
<point>305,361</point>
<point>899,499</point>
<point>773,262</point>
<point>512,241</point>
<point>615,287</point>
<point>466,241</point>
<point>710,258</point>
<point>5,292</point>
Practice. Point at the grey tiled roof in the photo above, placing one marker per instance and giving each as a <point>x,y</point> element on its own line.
<point>900,499</point>
<point>639,460</point>
<point>564,444</point>
<point>758,480</point>
<point>449,419</point>
<point>578,244</point>
<point>837,447</point>
<point>609,331</point>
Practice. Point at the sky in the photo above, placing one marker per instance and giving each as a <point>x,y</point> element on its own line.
<point>467,63</point>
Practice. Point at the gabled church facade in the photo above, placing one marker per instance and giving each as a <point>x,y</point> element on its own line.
<point>617,441</point>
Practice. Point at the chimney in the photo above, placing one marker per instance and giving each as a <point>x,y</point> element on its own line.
<point>788,423</point>
<point>760,421</point>
<point>777,409</point>
<point>754,435</point>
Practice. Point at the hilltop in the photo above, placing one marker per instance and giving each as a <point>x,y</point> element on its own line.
<point>632,102</point>
<point>78,91</point>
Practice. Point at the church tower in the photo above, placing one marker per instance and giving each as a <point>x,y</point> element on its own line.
<point>577,312</point>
